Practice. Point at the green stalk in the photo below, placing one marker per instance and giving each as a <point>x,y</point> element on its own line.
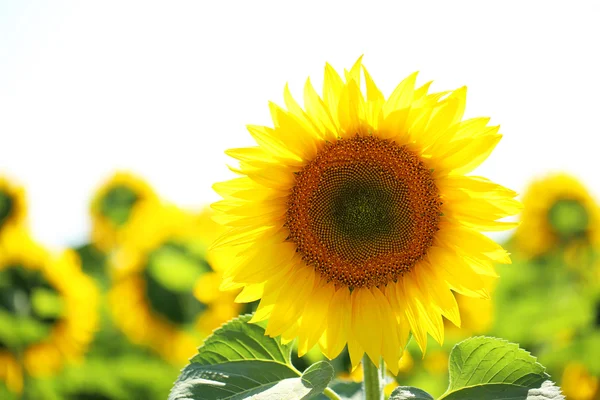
<point>373,379</point>
<point>331,394</point>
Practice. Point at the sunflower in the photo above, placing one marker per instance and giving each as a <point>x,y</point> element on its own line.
<point>353,220</point>
<point>165,283</point>
<point>13,208</point>
<point>47,309</point>
<point>578,384</point>
<point>113,204</point>
<point>558,212</point>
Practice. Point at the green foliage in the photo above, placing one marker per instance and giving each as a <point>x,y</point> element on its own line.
<point>482,360</point>
<point>407,392</point>
<point>239,340</point>
<point>347,389</point>
<point>125,377</point>
<point>238,361</point>
<point>542,292</point>
<point>491,369</point>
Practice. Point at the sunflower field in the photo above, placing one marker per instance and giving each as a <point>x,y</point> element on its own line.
<point>358,249</point>
<point>349,237</point>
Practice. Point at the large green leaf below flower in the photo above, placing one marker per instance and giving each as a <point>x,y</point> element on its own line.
<point>491,369</point>
<point>238,361</point>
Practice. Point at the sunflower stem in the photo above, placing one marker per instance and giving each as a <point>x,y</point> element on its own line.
<point>331,394</point>
<point>373,379</point>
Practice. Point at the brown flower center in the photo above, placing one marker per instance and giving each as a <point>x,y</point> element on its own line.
<point>363,211</point>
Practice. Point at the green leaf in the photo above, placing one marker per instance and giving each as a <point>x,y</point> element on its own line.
<point>494,369</point>
<point>317,376</point>
<point>409,393</point>
<point>348,390</point>
<point>239,340</point>
<point>238,361</point>
<point>229,380</point>
<point>504,391</point>
<point>481,360</point>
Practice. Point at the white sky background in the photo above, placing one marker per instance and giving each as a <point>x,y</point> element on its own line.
<point>163,88</point>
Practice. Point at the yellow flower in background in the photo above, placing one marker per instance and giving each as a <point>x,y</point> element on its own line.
<point>406,363</point>
<point>48,309</point>
<point>558,211</point>
<point>436,362</point>
<point>165,283</point>
<point>13,208</point>
<point>353,219</point>
<point>113,204</point>
<point>578,384</point>
<point>477,315</point>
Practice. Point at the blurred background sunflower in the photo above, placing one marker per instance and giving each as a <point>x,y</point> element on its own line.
<point>165,281</point>
<point>48,309</point>
<point>559,215</point>
<point>112,206</point>
<point>13,208</point>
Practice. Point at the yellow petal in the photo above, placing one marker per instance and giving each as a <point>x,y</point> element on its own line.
<point>471,242</point>
<point>355,351</point>
<point>373,92</point>
<point>354,73</point>
<point>270,294</point>
<point>394,126</point>
<point>390,346</point>
<point>338,323</point>
<point>366,316</point>
<point>419,331</point>
<point>316,107</point>
<point>332,89</point>
<point>472,128</point>
<point>402,325</point>
<point>423,313</point>
<point>351,110</point>
<point>438,291</point>
<point>266,139</point>
<point>293,133</point>
<point>314,317</point>
<point>292,299</point>
<point>251,293</point>
<point>466,154</point>
<point>450,267</point>
<point>402,96</point>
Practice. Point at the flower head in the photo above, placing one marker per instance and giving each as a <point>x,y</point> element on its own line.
<point>353,220</point>
<point>165,281</point>
<point>48,309</point>
<point>558,211</point>
<point>113,205</point>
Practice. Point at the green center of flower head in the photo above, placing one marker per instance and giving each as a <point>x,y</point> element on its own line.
<point>363,211</point>
<point>117,204</point>
<point>29,307</point>
<point>171,274</point>
<point>568,218</point>
<point>6,206</point>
